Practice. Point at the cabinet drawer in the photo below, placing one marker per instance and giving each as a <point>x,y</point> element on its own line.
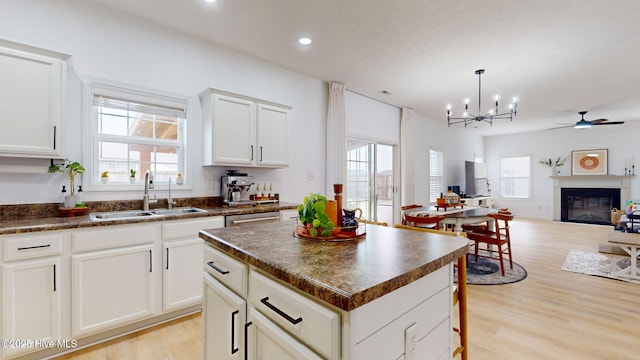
<point>181,229</point>
<point>312,323</point>
<point>229,271</point>
<point>428,316</point>
<point>31,246</point>
<point>108,237</point>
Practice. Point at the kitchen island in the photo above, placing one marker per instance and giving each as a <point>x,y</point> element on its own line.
<point>378,297</point>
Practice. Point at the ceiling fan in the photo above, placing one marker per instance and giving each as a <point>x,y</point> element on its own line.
<point>585,124</point>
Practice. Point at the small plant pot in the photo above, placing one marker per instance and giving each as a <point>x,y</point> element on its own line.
<point>104,180</point>
<point>441,201</point>
<point>132,180</point>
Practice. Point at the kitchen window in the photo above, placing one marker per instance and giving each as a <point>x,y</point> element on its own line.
<point>515,177</point>
<point>134,130</point>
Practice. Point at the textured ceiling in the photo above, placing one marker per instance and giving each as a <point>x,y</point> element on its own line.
<point>558,57</point>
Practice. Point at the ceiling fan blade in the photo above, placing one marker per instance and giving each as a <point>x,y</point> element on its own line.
<point>609,123</point>
<point>598,121</point>
<point>561,127</point>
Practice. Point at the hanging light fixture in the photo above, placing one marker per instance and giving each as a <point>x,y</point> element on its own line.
<point>493,114</point>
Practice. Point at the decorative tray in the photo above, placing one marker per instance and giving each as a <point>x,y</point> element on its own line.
<point>71,212</point>
<point>337,234</point>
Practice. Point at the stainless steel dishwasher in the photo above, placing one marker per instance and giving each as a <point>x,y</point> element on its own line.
<point>244,219</point>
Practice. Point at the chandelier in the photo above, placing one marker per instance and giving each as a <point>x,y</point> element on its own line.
<point>493,114</point>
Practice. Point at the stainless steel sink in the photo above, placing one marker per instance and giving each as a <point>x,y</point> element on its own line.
<point>137,214</point>
<point>178,211</point>
<point>121,215</point>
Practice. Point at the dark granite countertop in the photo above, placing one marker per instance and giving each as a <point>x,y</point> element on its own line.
<point>35,224</point>
<point>346,274</point>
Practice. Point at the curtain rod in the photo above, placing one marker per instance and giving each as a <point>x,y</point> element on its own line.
<point>373,98</point>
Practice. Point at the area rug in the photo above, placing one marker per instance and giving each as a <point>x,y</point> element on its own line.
<point>597,264</point>
<point>487,272</point>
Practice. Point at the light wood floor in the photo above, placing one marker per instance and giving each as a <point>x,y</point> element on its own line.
<point>553,314</point>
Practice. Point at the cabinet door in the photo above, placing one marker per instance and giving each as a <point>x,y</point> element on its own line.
<point>31,88</point>
<point>266,340</point>
<point>233,131</point>
<point>111,288</point>
<point>273,129</point>
<point>31,297</point>
<point>182,273</point>
<point>224,316</point>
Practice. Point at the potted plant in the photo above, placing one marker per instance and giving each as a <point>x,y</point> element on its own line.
<point>312,214</point>
<point>132,176</point>
<point>553,164</point>
<point>71,169</point>
<point>104,177</point>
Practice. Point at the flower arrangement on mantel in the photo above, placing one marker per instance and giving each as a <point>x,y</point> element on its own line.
<point>553,163</point>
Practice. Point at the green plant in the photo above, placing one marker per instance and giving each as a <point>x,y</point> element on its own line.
<point>132,173</point>
<point>552,163</point>
<point>105,173</point>
<point>71,169</point>
<point>312,213</point>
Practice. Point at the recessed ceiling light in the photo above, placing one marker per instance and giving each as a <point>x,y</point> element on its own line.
<point>304,41</point>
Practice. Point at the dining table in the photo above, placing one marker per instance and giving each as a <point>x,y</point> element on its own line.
<point>466,215</point>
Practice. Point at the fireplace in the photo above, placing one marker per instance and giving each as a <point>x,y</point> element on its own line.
<point>588,205</point>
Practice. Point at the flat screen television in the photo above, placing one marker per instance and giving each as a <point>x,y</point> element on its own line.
<point>475,176</point>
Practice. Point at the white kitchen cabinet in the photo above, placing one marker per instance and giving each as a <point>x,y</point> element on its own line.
<point>31,290</point>
<point>32,87</point>
<point>273,141</point>
<point>266,340</point>
<point>244,131</point>
<point>114,274</point>
<point>32,303</point>
<point>183,251</point>
<point>224,315</point>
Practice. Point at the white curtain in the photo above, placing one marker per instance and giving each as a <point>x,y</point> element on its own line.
<point>406,158</point>
<point>336,138</point>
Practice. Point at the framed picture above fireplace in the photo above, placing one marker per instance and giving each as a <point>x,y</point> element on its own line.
<point>589,162</point>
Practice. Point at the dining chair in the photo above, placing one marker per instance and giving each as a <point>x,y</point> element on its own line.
<point>499,237</point>
<point>404,209</point>
<point>459,294</point>
<point>426,221</point>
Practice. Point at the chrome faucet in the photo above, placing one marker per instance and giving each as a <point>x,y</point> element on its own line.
<point>148,184</point>
<point>170,201</point>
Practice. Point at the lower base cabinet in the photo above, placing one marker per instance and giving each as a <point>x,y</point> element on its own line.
<point>182,265</point>
<point>224,316</point>
<point>266,340</point>
<point>111,288</point>
<point>32,304</point>
<point>283,323</point>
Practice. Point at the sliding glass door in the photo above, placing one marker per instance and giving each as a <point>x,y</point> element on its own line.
<point>371,178</point>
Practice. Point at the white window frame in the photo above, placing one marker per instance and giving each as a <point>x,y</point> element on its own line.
<point>504,178</point>
<point>440,183</point>
<point>91,180</point>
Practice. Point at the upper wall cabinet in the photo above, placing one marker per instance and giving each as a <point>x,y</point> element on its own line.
<point>32,84</point>
<point>243,131</point>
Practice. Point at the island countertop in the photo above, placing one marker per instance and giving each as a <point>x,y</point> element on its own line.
<point>346,274</point>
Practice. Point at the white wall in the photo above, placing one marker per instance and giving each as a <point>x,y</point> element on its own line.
<point>620,140</point>
<point>107,45</point>
<point>456,144</point>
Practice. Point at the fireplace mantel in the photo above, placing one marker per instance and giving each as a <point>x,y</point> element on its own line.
<point>622,182</point>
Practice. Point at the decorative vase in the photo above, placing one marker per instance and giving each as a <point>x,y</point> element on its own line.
<point>132,180</point>
<point>104,179</point>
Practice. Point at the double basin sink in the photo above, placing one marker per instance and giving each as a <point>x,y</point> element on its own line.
<point>141,214</point>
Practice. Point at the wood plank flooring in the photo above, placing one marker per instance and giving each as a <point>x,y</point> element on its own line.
<point>553,314</point>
